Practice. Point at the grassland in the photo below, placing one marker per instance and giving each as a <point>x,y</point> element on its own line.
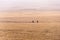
<point>22,28</point>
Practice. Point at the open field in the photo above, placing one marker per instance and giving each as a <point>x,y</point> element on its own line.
<point>28,16</point>
<point>30,31</point>
<point>16,26</point>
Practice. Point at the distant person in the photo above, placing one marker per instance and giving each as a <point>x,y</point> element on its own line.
<point>37,21</point>
<point>33,21</point>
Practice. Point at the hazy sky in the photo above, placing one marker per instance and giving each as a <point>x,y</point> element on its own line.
<point>29,4</point>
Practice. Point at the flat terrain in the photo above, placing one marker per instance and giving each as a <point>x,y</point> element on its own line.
<point>19,26</point>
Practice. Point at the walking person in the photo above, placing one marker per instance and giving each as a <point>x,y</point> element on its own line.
<point>37,21</point>
<point>33,21</point>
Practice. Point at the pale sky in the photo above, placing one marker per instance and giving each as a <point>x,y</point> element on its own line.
<point>29,4</point>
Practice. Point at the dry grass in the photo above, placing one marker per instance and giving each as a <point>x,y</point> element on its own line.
<point>48,27</point>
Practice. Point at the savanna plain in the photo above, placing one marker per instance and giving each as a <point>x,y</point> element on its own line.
<point>18,25</point>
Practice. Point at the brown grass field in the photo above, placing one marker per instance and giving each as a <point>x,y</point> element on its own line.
<point>19,26</point>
